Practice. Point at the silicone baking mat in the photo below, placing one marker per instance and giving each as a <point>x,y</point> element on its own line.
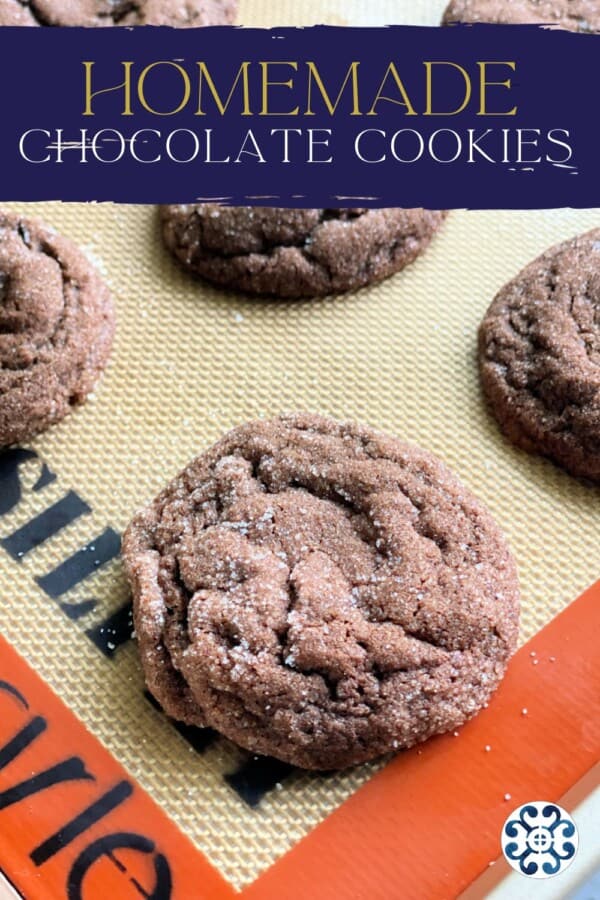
<point>189,363</point>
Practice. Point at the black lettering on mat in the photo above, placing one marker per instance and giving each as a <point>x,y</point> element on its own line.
<point>23,739</point>
<point>255,777</point>
<point>82,822</point>
<point>10,484</point>
<point>45,525</point>
<point>106,846</point>
<point>198,738</point>
<point>116,630</point>
<point>81,565</point>
<point>108,636</point>
<point>71,572</point>
<point>252,780</point>
<point>74,769</point>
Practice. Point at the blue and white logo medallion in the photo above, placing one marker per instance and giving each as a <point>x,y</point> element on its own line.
<point>539,839</point>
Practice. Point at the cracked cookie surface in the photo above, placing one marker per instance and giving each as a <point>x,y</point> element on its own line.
<point>56,327</point>
<point>99,13</point>
<point>320,592</point>
<point>295,252</point>
<point>539,354</point>
<point>572,15</point>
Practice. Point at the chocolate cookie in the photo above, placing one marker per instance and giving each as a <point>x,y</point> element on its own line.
<point>320,592</point>
<point>97,13</point>
<point>573,15</point>
<point>296,252</point>
<point>56,327</point>
<point>539,352</point>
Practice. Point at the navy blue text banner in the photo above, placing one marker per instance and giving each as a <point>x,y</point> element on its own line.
<point>478,117</point>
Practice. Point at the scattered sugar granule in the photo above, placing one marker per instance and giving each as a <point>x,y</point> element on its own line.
<point>487,748</point>
<point>508,796</point>
<point>524,711</point>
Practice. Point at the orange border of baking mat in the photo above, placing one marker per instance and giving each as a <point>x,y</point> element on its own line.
<point>425,826</point>
<point>430,822</point>
<point>129,850</point>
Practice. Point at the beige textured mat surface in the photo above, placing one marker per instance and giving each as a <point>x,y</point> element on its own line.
<point>189,363</point>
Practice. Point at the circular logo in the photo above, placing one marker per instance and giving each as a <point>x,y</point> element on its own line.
<point>540,839</point>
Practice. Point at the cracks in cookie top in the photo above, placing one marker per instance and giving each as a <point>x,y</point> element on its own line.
<point>37,14</point>
<point>56,328</point>
<point>296,252</point>
<point>320,568</point>
<point>262,230</point>
<point>540,356</point>
<point>119,10</point>
<point>33,298</point>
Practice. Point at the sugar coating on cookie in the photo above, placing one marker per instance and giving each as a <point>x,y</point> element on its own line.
<point>539,353</point>
<point>320,592</point>
<point>100,13</point>
<point>56,327</point>
<point>572,15</point>
<point>296,252</point>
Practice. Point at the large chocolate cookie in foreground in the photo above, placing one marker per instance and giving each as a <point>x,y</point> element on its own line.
<point>539,354</point>
<point>296,252</point>
<point>56,327</point>
<point>321,593</point>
